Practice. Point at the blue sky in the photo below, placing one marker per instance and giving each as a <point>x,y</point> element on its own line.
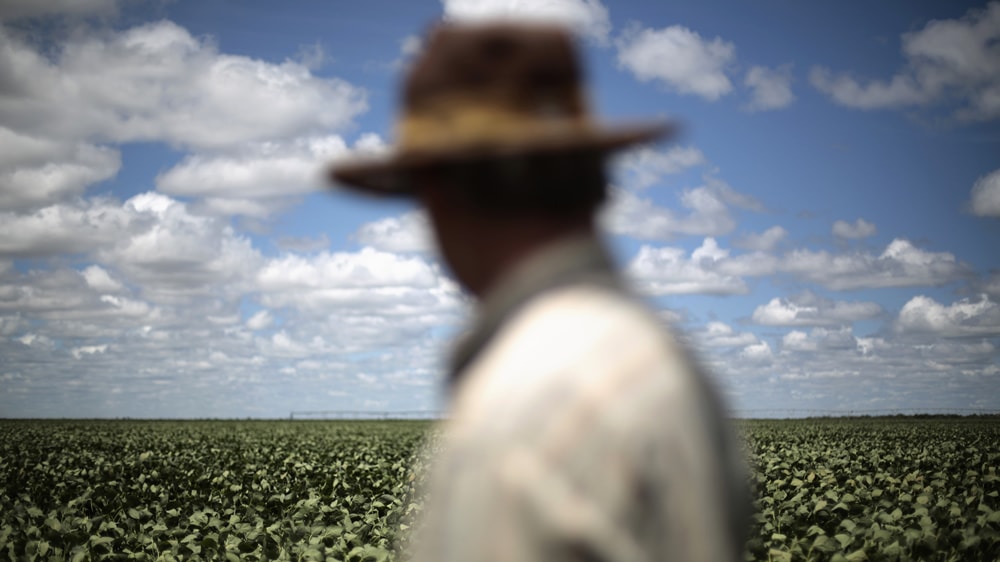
<point>823,234</point>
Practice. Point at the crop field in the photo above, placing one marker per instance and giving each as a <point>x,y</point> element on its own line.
<point>880,489</point>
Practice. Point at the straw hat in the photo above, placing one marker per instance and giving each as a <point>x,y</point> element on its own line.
<point>488,91</point>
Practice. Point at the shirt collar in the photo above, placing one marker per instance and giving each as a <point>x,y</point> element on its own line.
<point>578,259</point>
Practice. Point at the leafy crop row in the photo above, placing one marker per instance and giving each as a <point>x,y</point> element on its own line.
<point>876,489</point>
<point>204,490</point>
<point>824,490</point>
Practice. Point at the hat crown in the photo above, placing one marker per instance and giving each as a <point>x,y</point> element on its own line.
<point>531,70</point>
<point>486,91</point>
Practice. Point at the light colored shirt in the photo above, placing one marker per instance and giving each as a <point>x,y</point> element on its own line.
<point>580,430</point>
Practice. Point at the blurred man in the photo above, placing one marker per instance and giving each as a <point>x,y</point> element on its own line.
<point>579,428</point>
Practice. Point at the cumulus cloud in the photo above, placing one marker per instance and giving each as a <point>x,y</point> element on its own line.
<point>771,87</point>
<point>406,233</point>
<point>587,17</point>
<point>669,271</point>
<point>99,279</point>
<point>762,241</point>
<point>711,269</point>
<point>646,166</point>
<point>679,59</point>
<point>260,320</point>
<point>965,318</point>
<point>79,352</point>
<point>65,228</point>
<point>70,306</point>
<point>409,47</point>
<point>845,90</point>
<point>808,309</point>
<point>179,255</point>
<point>150,241</point>
<point>901,264</point>
<point>819,339</point>
<point>157,82</point>
<point>952,61</point>
<point>986,195</point>
<point>369,277</point>
<point>858,229</point>
<point>255,170</point>
<point>36,171</point>
<point>720,334</point>
<point>757,352</point>
<point>707,212</point>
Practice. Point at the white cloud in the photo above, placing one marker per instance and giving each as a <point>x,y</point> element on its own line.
<point>772,88</point>
<point>859,229</point>
<point>408,232</point>
<point>808,309</point>
<point>845,90</point>
<point>69,228</point>
<point>950,61</point>
<point>180,255</point>
<point>797,341</point>
<point>154,241</point>
<point>901,265</point>
<point>707,214</point>
<point>157,82</point>
<point>587,17</point>
<point>260,320</point>
<point>36,171</point>
<point>100,280</point>
<point>762,242</point>
<point>14,9</point>
<point>964,318</point>
<point>668,271</point>
<point>645,166</point>
<point>79,352</point>
<point>32,339</point>
<point>671,317</point>
<point>679,59</point>
<point>720,334</point>
<point>409,47</point>
<point>256,170</point>
<point>758,352</point>
<point>369,279</point>
<point>820,339</point>
<point>986,195</point>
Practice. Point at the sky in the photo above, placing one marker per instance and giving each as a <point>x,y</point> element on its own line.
<point>824,232</point>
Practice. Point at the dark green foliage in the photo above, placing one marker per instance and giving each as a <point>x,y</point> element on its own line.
<point>888,489</point>
<point>204,490</point>
<point>875,489</point>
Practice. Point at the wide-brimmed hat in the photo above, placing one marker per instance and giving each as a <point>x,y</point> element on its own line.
<point>486,91</point>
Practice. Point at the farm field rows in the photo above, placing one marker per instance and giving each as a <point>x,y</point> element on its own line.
<point>878,489</point>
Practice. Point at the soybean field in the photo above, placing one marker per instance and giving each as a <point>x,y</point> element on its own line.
<point>857,489</point>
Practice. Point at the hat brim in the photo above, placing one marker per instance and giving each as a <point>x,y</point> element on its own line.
<point>389,174</point>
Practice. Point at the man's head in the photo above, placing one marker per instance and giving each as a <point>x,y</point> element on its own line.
<point>487,215</point>
<point>496,141</point>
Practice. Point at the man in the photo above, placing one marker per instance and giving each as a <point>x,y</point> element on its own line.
<point>580,429</point>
